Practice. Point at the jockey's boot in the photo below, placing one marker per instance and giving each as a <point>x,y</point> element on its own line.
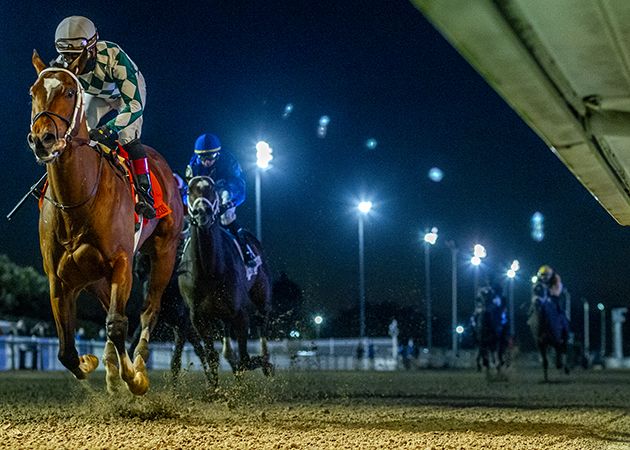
<point>145,205</point>
<point>140,167</point>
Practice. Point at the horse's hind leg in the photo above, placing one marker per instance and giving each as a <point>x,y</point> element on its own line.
<point>63,302</point>
<point>162,263</point>
<point>176,361</point>
<point>261,297</point>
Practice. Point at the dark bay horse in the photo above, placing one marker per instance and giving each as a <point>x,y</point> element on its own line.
<point>217,287</point>
<point>490,330</point>
<point>550,329</point>
<point>86,228</point>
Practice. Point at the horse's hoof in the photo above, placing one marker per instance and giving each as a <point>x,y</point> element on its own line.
<point>140,383</point>
<point>88,363</point>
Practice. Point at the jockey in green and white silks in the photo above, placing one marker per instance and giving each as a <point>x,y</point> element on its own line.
<point>113,85</point>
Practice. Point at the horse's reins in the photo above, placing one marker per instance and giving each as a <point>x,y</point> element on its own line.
<point>68,136</point>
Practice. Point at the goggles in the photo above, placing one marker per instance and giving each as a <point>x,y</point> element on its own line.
<point>209,156</point>
<point>75,45</point>
<point>206,155</point>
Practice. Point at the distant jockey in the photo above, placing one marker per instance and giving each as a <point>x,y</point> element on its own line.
<point>209,159</point>
<point>547,293</point>
<point>115,96</point>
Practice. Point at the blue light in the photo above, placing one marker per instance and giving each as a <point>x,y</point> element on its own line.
<point>288,109</point>
<point>537,226</point>
<point>371,144</point>
<point>537,217</point>
<point>436,174</point>
<point>324,121</point>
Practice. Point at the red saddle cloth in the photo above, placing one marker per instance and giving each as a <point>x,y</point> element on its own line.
<point>161,208</point>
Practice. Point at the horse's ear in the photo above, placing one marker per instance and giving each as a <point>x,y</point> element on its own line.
<point>37,62</point>
<point>78,64</point>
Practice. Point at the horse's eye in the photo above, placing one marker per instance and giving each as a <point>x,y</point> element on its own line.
<point>70,93</point>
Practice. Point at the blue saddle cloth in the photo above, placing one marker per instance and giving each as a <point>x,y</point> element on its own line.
<point>557,321</point>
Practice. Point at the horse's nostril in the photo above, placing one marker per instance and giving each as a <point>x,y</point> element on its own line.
<point>48,138</point>
<point>30,138</point>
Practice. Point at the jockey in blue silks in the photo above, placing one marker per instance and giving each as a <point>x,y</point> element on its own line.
<point>547,293</point>
<point>209,159</point>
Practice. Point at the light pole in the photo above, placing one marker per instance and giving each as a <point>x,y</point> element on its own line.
<point>318,323</point>
<point>263,158</point>
<point>364,208</point>
<point>454,250</point>
<point>511,274</point>
<point>587,337</point>
<point>602,331</point>
<point>459,330</point>
<point>479,252</point>
<point>430,238</point>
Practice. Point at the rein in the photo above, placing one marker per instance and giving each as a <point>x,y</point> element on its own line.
<point>64,207</point>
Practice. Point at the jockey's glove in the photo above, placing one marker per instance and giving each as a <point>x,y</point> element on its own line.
<point>225,206</point>
<point>105,136</point>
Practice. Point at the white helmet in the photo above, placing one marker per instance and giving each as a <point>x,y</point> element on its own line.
<point>75,33</point>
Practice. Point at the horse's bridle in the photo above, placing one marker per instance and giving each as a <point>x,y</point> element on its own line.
<point>70,123</point>
<point>204,220</point>
<point>68,136</point>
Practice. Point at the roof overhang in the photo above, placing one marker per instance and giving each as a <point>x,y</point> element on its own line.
<point>564,67</point>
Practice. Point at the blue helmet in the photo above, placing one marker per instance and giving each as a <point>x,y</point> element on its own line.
<point>207,146</point>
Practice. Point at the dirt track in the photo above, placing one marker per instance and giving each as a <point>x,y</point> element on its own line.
<point>426,410</point>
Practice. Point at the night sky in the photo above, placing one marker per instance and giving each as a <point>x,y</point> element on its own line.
<point>379,70</point>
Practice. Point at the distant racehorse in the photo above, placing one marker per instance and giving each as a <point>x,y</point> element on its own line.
<point>550,328</point>
<point>86,228</point>
<point>490,330</point>
<point>218,286</point>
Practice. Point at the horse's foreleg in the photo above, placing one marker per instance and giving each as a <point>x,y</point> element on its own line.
<point>63,303</point>
<point>241,326</point>
<point>134,375</point>
<point>545,362</point>
<point>228,353</point>
<point>112,375</point>
<point>205,331</point>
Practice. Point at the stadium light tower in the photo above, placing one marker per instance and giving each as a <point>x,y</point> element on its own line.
<point>430,238</point>
<point>364,208</point>
<point>511,274</point>
<point>264,155</point>
<point>318,320</point>
<point>479,253</point>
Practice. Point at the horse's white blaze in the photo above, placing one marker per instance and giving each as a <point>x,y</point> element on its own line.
<point>50,84</point>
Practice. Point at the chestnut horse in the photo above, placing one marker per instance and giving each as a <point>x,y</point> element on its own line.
<point>86,228</point>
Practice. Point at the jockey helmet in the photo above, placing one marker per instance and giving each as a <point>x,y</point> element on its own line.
<point>207,146</point>
<point>74,34</point>
<point>545,273</point>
